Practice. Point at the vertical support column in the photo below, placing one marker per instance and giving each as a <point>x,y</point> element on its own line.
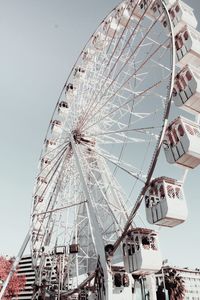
<point>95,232</point>
<point>151,286</point>
<point>76,242</point>
<point>165,290</point>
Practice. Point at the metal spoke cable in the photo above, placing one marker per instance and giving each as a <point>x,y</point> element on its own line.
<point>58,161</point>
<point>142,65</point>
<point>93,96</point>
<point>119,166</point>
<point>130,100</point>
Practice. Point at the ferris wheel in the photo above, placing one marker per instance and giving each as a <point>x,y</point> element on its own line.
<point>103,141</point>
<point>102,147</point>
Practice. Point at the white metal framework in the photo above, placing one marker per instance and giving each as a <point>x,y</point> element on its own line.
<point>101,150</point>
<point>102,141</point>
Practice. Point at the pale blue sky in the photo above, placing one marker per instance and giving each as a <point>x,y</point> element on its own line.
<point>40,41</point>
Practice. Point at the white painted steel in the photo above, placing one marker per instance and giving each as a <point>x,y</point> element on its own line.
<point>115,117</point>
<point>106,129</point>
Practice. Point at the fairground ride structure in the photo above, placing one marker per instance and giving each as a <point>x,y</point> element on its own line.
<point>102,148</point>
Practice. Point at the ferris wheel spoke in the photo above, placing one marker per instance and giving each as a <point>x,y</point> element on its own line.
<point>115,33</point>
<point>102,196</point>
<point>46,218</point>
<point>131,56</point>
<point>119,140</point>
<point>127,80</point>
<point>122,33</point>
<point>60,208</point>
<point>126,62</point>
<point>106,79</point>
<point>55,159</point>
<point>110,59</point>
<point>128,41</point>
<point>118,113</point>
<point>54,151</point>
<point>48,183</point>
<point>106,154</point>
<point>48,187</point>
<point>106,205</point>
<point>144,130</point>
<point>129,101</point>
<point>120,166</point>
<point>142,65</point>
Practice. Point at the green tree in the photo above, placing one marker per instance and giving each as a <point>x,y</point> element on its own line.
<point>175,284</point>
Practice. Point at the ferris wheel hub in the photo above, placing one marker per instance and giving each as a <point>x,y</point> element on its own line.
<point>79,138</point>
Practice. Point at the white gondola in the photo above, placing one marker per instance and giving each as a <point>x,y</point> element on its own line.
<point>88,56</point>
<point>63,108</point>
<point>40,188</point>
<point>140,8</point>
<point>37,224</point>
<point>156,9</point>
<point>165,202</point>
<point>187,43</point>
<point>56,127</point>
<point>141,252</point>
<point>41,183</point>
<point>182,14</point>
<point>111,27</point>
<point>165,22</point>
<point>123,14</point>
<point>182,143</point>
<point>38,199</point>
<point>50,145</point>
<point>79,73</point>
<point>38,232</point>
<point>151,9</point>
<point>45,162</point>
<point>45,166</point>
<point>186,92</point>
<point>131,10</point>
<point>70,91</point>
<point>99,41</point>
<point>41,180</point>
